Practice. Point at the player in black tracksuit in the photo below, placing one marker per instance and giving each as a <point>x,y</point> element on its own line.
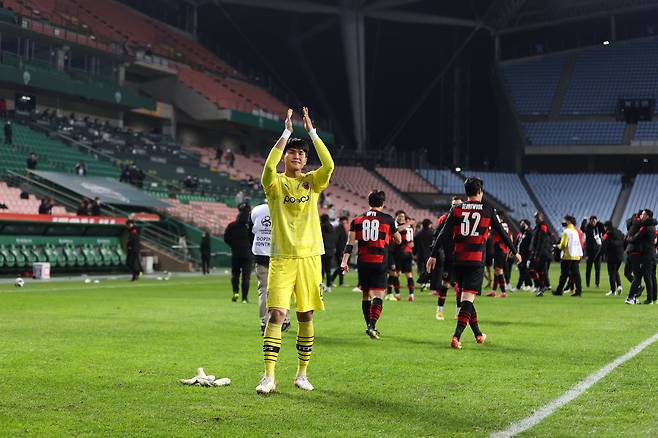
<point>631,222</point>
<point>642,246</point>
<point>132,251</point>
<point>422,250</point>
<point>613,248</point>
<point>523,244</point>
<point>205,253</point>
<point>540,254</point>
<point>239,237</point>
<point>594,231</point>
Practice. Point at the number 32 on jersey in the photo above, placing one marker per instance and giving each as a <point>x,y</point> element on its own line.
<point>469,224</point>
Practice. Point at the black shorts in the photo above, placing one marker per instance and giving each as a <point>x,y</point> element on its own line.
<point>403,262</point>
<point>489,259</point>
<point>500,258</point>
<point>390,260</point>
<point>372,278</point>
<point>469,278</point>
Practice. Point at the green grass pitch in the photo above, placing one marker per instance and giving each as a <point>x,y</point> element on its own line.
<point>104,359</point>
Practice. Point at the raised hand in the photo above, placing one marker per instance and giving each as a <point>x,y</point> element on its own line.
<point>308,124</point>
<point>288,121</point>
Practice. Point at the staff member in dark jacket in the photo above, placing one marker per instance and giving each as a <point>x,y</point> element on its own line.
<point>613,248</point>
<point>341,232</point>
<point>205,253</point>
<point>422,250</point>
<point>132,251</point>
<point>594,231</point>
<point>642,245</point>
<point>329,237</point>
<point>523,243</point>
<point>238,236</point>
<point>540,254</point>
<point>633,261</point>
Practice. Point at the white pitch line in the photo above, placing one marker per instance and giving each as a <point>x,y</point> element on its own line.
<point>96,286</point>
<point>548,409</point>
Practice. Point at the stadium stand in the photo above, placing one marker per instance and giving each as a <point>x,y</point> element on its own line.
<point>11,197</point>
<point>444,180</point>
<point>116,142</point>
<point>231,93</point>
<point>60,25</point>
<point>643,195</point>
<point>211,216</point>
<point>575,132</point>
<point>405,180</point>
<point>646,133</point>
<point>52,154</point>
<point>358,183</point>
<point>580,195</point>
<point>605,74</point>
<point>244,168</point>
<point>522,79</point>
<point>199,68</point>
<point>508,188</point>
<point>118,23</point>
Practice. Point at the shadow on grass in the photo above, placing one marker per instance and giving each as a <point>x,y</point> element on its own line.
<point>407,415</point>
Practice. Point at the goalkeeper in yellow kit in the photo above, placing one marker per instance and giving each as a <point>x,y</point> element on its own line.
<point>296,246</point>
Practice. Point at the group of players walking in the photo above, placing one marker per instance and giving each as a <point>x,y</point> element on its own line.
<point>289,247</point>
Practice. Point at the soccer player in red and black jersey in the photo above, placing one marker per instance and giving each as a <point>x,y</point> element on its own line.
<point>500,255</point>
<point>373,231</point>
<point>403,256</point>
<point>442,277</point>
<point>468,227</point>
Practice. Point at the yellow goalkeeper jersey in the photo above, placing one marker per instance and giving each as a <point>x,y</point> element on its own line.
<point>293,204</point>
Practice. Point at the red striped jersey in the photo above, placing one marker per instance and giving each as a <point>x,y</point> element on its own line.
<point>373,231</point>
<point>407,235</point>
<point>468,228</point>
<point>498,242</point>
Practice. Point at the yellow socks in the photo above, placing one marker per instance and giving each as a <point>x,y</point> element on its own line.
<point>305,336</point>
<point>271,346</point>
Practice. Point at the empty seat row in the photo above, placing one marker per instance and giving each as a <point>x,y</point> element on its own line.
<point>580,195</point>
<point>65,256</point>
<point>575,133</point>
<point>644,194</point>
<point>603,75</point>
<point>532,84</point>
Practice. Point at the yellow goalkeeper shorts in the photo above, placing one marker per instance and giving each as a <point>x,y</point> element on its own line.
<point>301,277</point>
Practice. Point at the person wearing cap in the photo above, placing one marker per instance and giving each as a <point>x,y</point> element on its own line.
<point>296,246</point>
<point>571,251</point>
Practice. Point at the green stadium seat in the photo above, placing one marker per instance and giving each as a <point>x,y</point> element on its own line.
<point>51,255</point>
<point>21,261</point>
<point>8,257</point>
<point>30,258</point>
<point>120,254</point>
<point>71,256</point>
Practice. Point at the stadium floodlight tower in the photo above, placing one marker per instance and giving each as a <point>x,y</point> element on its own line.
<point>351,15</point>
